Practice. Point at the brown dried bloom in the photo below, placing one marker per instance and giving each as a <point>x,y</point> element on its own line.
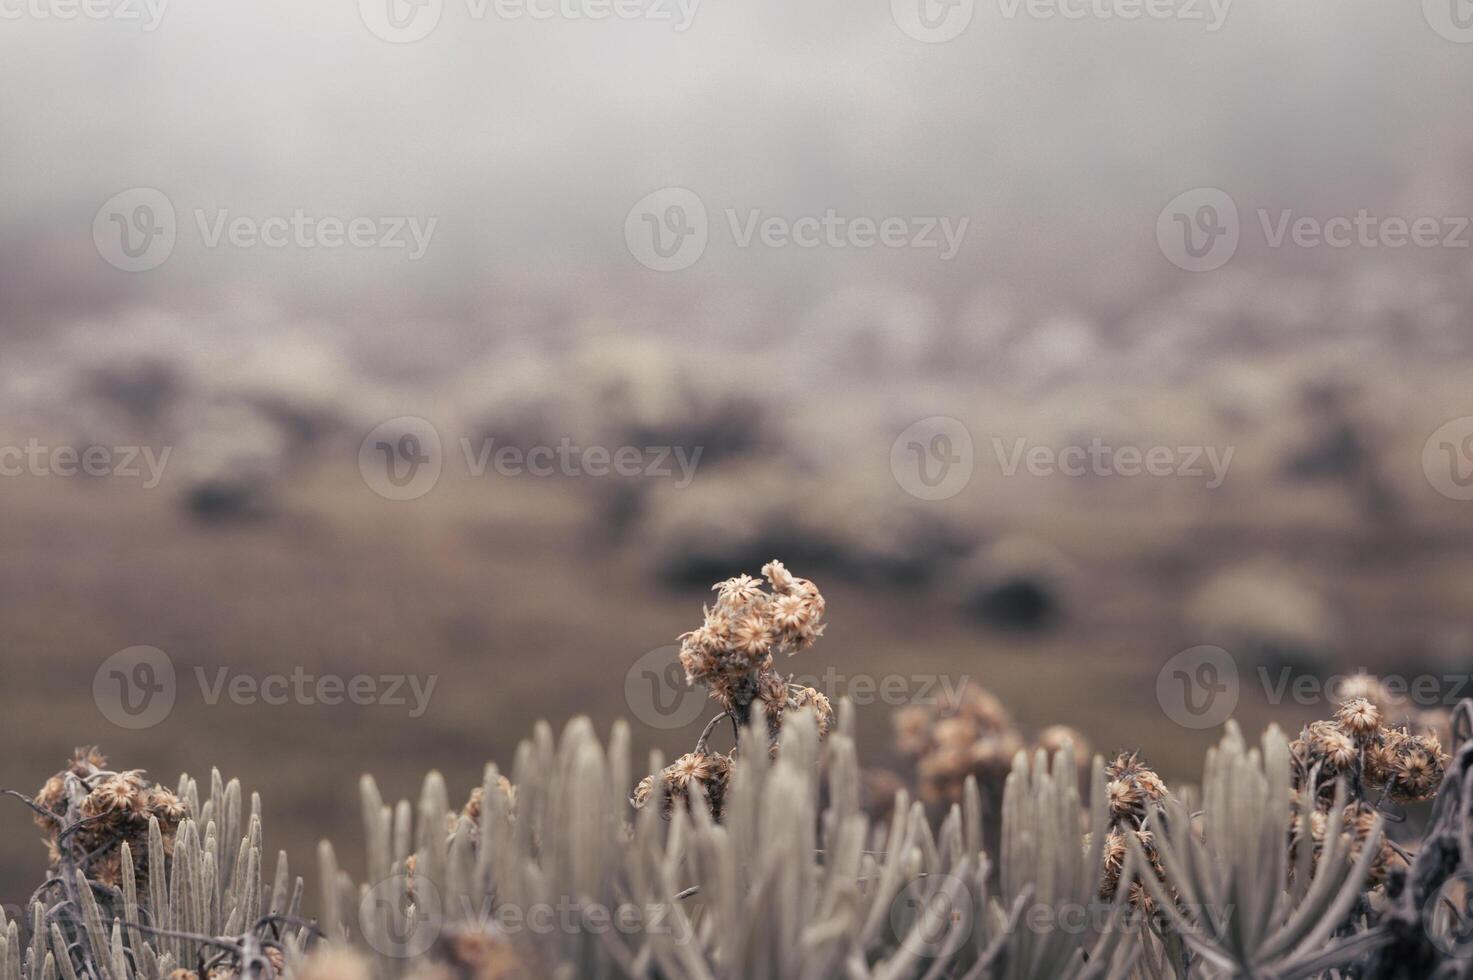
<point>1367,687</point>
<point>912,725</point>
<point>969,732</point>
<point>1132,788</point>
<point>1410,766</point>
<point>980,707</point>
<point>467,953</point>
<point>1416,773</point>
<point>91,812</point>
<point>1358,718</point>
<point>1113,856</point>
<point>808,697</point>
<point>701,774</point>
<point>1053,739</point>
<point>954,733</point>
<point>475,803</point>
<point>1325,744</point>
<point>732,651</point>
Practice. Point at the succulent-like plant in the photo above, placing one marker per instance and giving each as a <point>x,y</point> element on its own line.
<point>552,873</point>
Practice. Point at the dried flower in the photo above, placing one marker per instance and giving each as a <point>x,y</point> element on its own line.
<point>1132,788</point>
<point>693,775</point>
<point>92,811</point>
<point>1358,717</point>
<point>731,652</point>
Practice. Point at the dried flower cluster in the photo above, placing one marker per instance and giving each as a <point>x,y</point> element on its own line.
<point>1132,791</point>
<point>89,812</point>
<point>1359,745</point>
<point>466,953</point>
<point>970,734</point>
<point>1374,760</point>
<point>695,775</point>
<point>733,654</point>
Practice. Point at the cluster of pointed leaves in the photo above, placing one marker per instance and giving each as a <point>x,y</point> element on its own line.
<point>795,883</point>
<point>193,902</point>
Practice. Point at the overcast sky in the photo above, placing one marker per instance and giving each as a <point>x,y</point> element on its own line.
<point>528,141</point>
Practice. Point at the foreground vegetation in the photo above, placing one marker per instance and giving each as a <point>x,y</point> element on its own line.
<point>765,862</point>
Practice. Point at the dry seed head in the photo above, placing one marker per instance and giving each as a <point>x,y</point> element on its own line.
<point>1125,799</point>
<point>1358,717</point>
<point>808,697</point>
<point>474,954</point>
<point>912,724</point>
<point>1436,724</point>
<point>1124,764</point>
<point>734,647</point>
<point>954,733</point>
<point>1415,775</point>
<point>979,706</point>
<point>693,776</point>
<point>1053,739</point>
